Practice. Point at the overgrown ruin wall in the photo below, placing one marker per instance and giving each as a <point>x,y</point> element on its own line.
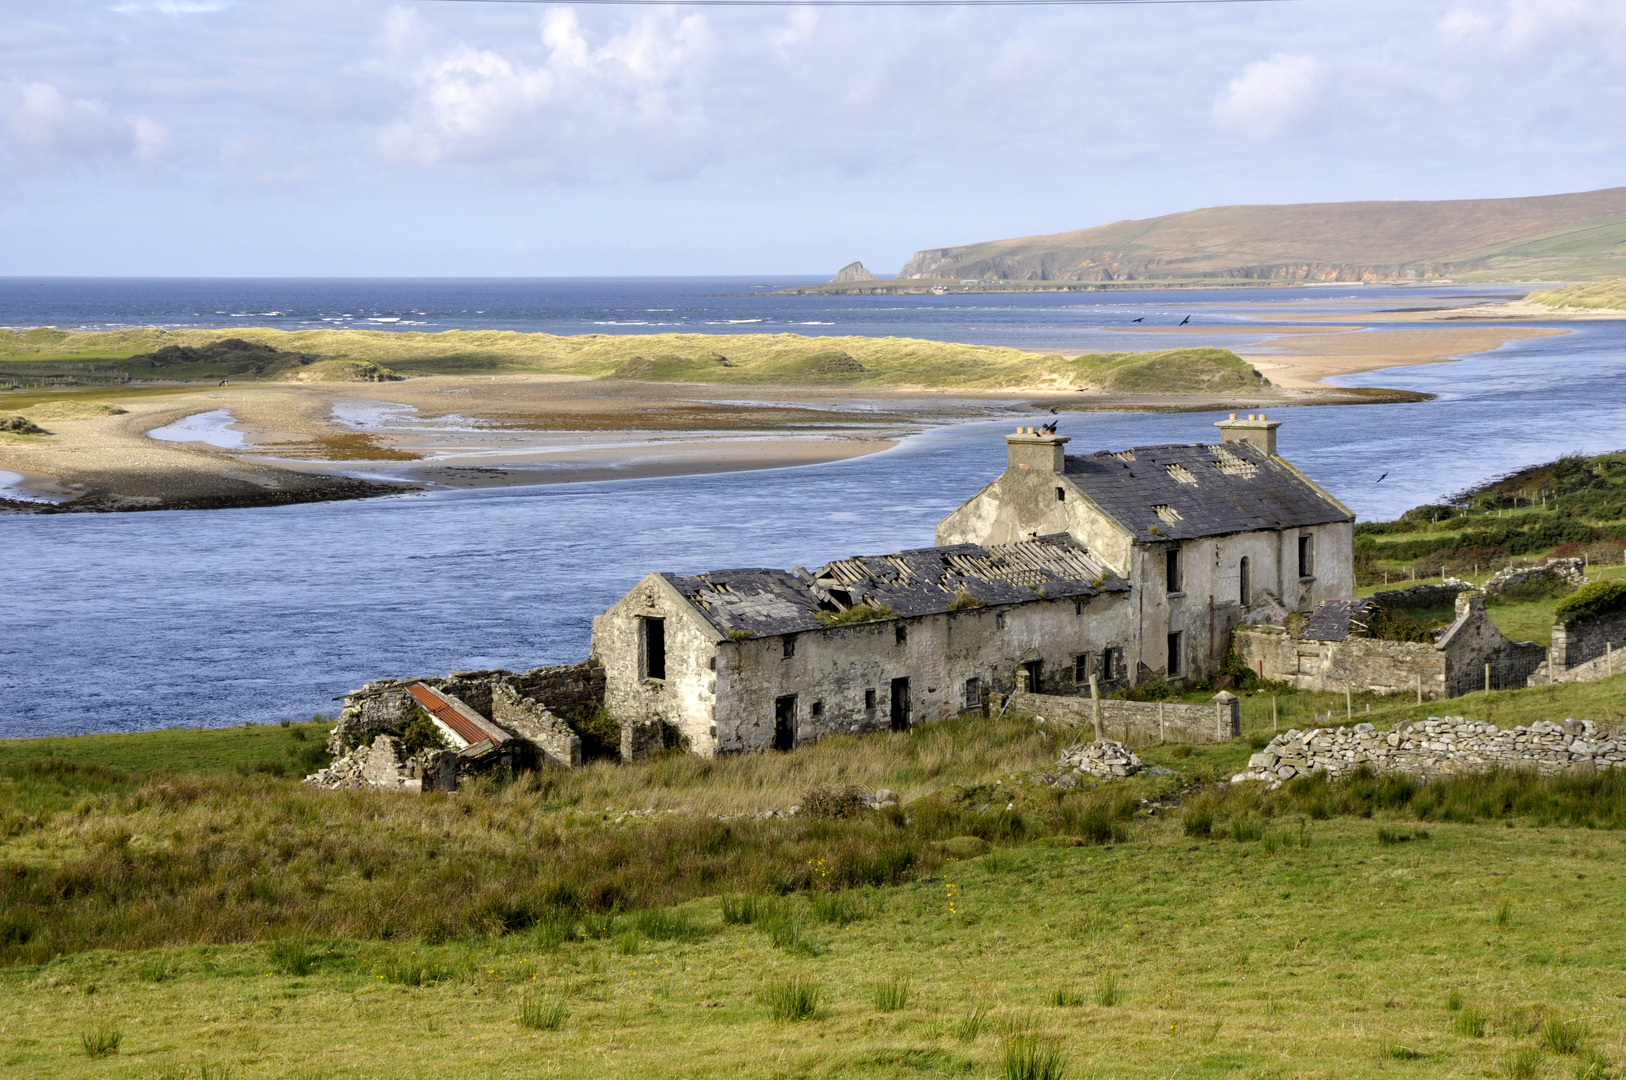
<point>1575,645</point>
<point>1383,667</point>
<point>1139,721</point>
<point>1438,746</point>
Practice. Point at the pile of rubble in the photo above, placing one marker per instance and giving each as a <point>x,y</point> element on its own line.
<point>1570,573</point>
<point>1103,758</point>
<point>386,764</point>
<point>1437,746</point>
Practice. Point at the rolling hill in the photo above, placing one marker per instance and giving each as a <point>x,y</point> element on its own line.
<point>1580,237</point>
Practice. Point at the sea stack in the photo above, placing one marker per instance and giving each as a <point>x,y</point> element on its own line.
<point>853,271</point>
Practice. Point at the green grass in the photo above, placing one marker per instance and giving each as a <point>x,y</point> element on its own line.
<point>791,1000</point>
<point>891,994</point>
<point>541,1013</point>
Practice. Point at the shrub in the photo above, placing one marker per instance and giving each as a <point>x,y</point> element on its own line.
<point>964,601</point>
<point>1029,1058</point>
<point>790,1000</point>
<point>421,734</point>
<point>541,1013</point>
<point>858,613</point>
<point>1591,601</point>
<point>100,1043</point>
<point>823,802</point>
<point>891,994</point>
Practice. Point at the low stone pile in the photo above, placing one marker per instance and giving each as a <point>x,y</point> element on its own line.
<point>1438,746</point>
<point>1554,572</point>
<point>385,764</point>
<point>1103,758</point>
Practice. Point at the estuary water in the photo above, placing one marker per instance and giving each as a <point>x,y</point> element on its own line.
<point>123,622</point>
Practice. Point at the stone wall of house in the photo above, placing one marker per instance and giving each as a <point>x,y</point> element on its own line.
<point>1139,722</point>
<point>1438,746</point>
<point>534,722</point>
<point>1584,641</point>
<point>572,692</point>
<point>1473,644</point>
<point>1384,667</point>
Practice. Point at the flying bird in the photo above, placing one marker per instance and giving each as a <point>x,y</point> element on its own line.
<point>1185,320</point>
<point>1141,319</point>
<point>1379,480</point>
<point>1052,410</point>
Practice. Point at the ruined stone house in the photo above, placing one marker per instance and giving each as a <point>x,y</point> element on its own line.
<point>738,660</point>
<point>1209,535</point>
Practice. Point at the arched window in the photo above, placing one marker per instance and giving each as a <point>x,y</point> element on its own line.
<point>1242,575</point>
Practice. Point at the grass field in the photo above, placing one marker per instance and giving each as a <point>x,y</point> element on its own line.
<point>746,359</point>
<point>1598,296</point>
<point>169,904</point>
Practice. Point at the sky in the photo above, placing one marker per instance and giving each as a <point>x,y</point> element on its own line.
<point>435,138</point>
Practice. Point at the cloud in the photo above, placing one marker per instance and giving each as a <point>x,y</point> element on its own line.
<point>1270,97</point>
<point>41,121</point>
<point>548,109</point>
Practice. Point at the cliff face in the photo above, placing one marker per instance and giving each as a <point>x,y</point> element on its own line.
<point>853,271</point>
<point>1557,236</point>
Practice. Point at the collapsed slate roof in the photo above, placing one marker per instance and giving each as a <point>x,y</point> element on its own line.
<point>923,581</point>
<point>1335,620</point>
<point>1183,492</point>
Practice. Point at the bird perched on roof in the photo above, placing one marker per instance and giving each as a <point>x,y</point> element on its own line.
<point>1048,429</point>
<point>1185,320</point>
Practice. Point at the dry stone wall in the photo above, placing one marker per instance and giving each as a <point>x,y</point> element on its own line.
<point>1140,721</point>
<point>385,765</point>
<point>1438,746</point>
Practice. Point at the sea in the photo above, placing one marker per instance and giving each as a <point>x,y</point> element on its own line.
<point>127,622</point>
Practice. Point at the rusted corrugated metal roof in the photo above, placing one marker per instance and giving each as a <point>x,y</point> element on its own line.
<point>448,714</point>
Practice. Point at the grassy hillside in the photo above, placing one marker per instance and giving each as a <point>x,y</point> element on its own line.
<point>1564,237</point>
<point>1602,296</point>
<point>165,918</point>
<point>32,357</point>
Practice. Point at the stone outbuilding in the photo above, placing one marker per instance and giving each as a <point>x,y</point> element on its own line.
<point>738,660</point>
<point>1209,534</point>
<point>1349,645</point>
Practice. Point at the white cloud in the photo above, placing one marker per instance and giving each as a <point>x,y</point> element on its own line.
<point>1270,97</point>
<point>42,121</point>
<point>548,111</point>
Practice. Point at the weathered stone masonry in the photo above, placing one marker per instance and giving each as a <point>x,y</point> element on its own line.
<point>1438,746</point>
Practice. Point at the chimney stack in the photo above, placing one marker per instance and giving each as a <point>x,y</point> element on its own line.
<point>1035,451</point>
<point>1255,429</point>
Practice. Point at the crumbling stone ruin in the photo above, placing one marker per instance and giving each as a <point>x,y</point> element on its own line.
<point>1432,640</point>
<point>424,734</point>
<point>1552,574</point>
<point>1437,746</point>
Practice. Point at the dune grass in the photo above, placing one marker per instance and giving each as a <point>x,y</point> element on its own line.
<point>745,359</point>
<point>1593,296</point>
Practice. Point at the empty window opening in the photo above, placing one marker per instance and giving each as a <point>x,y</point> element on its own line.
<point>817,710</point>
<point>869,700</point>
<point>973,693</point>
<point>1242,582</point>
<point>1081,668</point>
<point>999,621</point>
<point>900,704</point>
<point>1175,666</point>
<point>1032,671</point>
<point>1306,557</point>
<point>790,645</point>
<point>1061,494</point>
<point>652,647</point>
<point>1078,607</point>
<point>1112,664</point>
<point>784,722</point>
<point>712,663</point>
<point>901,633</point>
<point>1172,568</point>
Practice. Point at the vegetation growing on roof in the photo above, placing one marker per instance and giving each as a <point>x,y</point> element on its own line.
<point>1591,601</point>
<point>858,613</point>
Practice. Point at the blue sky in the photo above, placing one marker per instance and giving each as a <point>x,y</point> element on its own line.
<point>349,137</point>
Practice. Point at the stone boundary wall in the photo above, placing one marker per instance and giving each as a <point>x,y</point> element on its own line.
<point>1383,667</point>
<point>1438,746</point>
<point>532,721</point>
<point>1140,721</point>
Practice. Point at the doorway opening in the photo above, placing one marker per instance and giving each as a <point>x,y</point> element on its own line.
<point>784,722</point>
<point>900,704</point>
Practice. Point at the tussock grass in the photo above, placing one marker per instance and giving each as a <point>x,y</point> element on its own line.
<point>541,1013</point>
<point>1522,1064</point>
<point>1563,1036</point>
<point>1028,1057</point>
<point>1108,992</point>
<point>891,994</point>
<point>1470,1020</point>
<point>100,1042</point>
<point>970,1025</point>
<point>791,1000</point>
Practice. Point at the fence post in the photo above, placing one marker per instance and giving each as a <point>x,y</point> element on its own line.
<point>1419,688</point>
<point>1487,678</point>
<point>1095,707</point>
<point>1162,726</point>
